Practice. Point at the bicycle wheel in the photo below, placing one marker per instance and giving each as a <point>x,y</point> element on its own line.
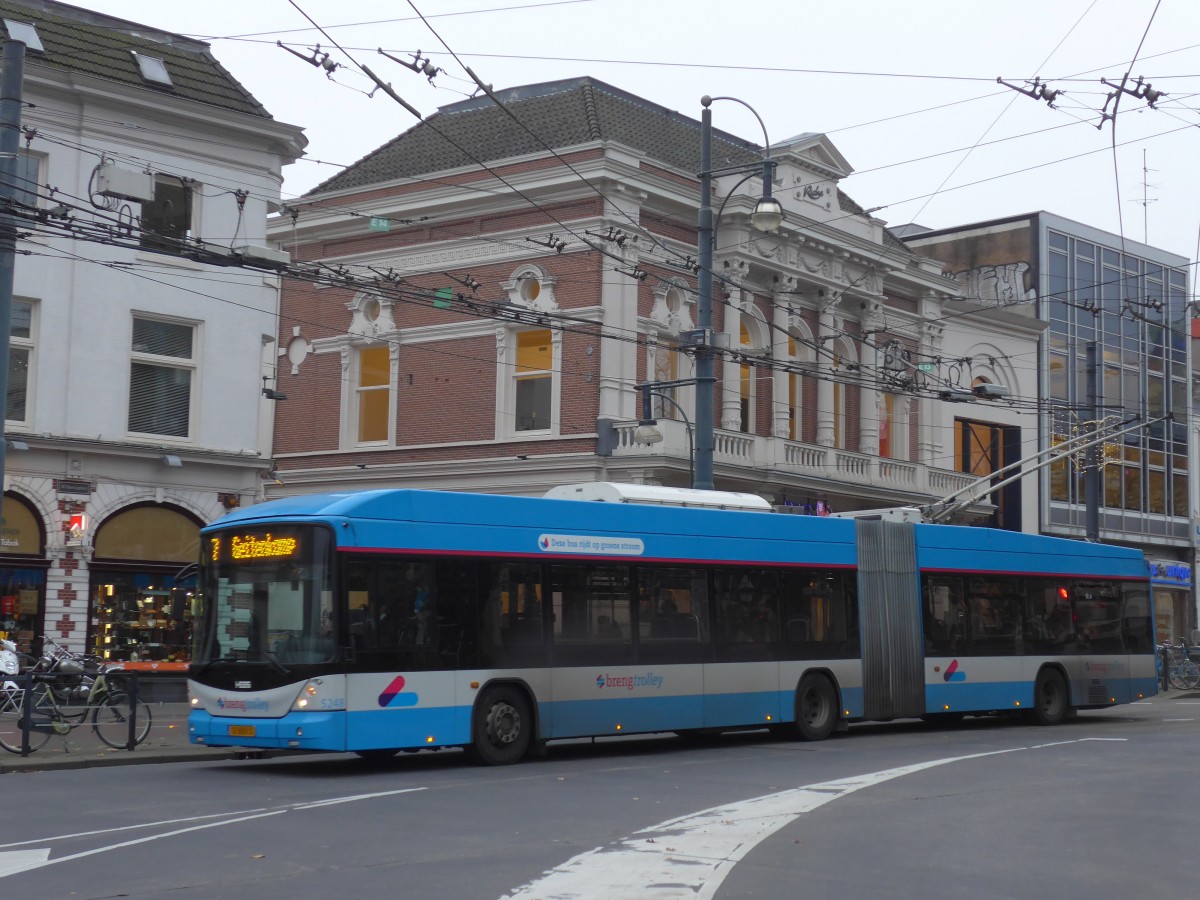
<point>12,720</point>
<point>1186,675</point>
<point>111,721</point>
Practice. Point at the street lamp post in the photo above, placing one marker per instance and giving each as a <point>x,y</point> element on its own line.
<point>648,431</point>
<point>767,216</point>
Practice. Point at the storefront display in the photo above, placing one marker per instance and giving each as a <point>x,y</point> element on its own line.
<point>139,617</point>
<point>142,599</point>
<point>22,576</point>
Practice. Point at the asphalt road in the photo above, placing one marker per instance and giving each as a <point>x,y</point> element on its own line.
<point>1096,808</point>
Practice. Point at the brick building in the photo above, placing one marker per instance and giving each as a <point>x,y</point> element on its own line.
<point>495,282</point>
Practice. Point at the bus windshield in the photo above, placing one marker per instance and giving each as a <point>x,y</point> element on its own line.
<point>267,595</point>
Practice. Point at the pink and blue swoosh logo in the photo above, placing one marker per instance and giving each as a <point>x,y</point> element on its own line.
<point>394,695</point>
<point>952,673</point>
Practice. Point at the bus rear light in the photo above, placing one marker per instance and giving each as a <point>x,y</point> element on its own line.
<point>474,685</point>
<point>301,703</point>
<point>1016,703</point>
<point>618,728</point>
<point>768,717</point>
<point>429,740</point>
<point>946,706</point>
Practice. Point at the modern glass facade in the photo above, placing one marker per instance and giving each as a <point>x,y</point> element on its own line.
<point>1135,310</point>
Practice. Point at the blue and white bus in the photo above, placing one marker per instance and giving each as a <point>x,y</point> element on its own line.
<point>399,619</point>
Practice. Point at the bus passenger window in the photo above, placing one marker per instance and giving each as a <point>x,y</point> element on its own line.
<point>945,616</point>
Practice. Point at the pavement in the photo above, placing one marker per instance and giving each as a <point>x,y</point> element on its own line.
<point>168,743</point>
<point>81,749</point>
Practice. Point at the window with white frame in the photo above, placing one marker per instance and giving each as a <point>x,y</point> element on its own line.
<point>20,361</point>
<point>162,377</point>
<point>795,392</point>
<point>167,219</point>
<point>27,179</point>
<point>533,380</point>
<point>372,394</point>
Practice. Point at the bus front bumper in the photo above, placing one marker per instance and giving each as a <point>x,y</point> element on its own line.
<point>295,731</point>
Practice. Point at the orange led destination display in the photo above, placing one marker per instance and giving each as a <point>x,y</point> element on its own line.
<point>254,546</point>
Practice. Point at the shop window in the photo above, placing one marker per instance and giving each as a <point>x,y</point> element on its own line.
<point>162,370</point>
<point>142,604</point>
<point>22,579</point>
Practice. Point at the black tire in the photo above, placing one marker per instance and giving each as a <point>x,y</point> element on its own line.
<point>502,730</point>
<point>1051,700</point>
<point>816,708</point>
<point>376,755</point>
<point>110,721</point>
<point>12,719</point>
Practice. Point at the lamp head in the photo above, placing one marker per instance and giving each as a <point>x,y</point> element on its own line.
<point>648,432</point>
<point>767,215</point>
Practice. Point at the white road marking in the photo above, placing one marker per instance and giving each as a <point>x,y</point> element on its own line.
<point>15,861</point>
<point>1179,720</point>
<point>689,857</point>
<point>19,860</point>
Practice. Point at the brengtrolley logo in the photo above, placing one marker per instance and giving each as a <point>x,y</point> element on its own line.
<point>393,694</point>
<point>952,673</point>
<point>630,682</point>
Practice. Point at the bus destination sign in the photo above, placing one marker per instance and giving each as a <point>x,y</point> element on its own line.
<point>246,547</point>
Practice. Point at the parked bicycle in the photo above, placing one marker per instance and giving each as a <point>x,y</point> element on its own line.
<point>1182,671</point>
<point>67,690</point>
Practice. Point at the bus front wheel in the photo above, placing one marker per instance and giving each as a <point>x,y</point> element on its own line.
<point>503,727</point>
<point>1051,705</point>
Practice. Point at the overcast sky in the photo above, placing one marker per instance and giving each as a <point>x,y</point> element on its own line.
<point>907,91</point>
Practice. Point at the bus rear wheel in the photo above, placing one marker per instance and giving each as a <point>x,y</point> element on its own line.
<point>816,708</point>
<point>1051,705</point>
<point>503,727</point>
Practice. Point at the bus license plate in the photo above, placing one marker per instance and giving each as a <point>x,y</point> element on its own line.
<point>241,730</point>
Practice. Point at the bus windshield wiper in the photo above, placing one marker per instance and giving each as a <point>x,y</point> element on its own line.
<point>275,663</point>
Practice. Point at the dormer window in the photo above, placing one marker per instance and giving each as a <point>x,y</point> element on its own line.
<point>24,32</point>
<point>152,68</point>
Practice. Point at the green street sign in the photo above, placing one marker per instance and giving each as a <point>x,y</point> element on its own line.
<point>380,223</point>
<point>925,367</point>
<point>442,298</point>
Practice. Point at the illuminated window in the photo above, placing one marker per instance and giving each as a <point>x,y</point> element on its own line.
<point>533,378</point>
<point>20,359</point>
<point>161,379</point>
<point>373,394</point>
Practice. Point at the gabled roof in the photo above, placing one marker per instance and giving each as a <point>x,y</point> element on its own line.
<point>562,114</point>
<point>88,43</point>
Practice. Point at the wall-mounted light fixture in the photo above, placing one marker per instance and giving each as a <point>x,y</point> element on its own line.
<point>271,393</point>
<point>17,445</point>
<point>170,459</point>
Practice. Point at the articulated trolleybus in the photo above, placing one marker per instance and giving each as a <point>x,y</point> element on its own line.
<point>399,620</point>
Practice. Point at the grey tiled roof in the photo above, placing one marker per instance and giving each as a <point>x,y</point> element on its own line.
<point>562,114</point>
<point>85,42</point>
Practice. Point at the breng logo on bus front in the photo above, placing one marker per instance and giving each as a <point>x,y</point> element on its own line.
<point>630,682</point>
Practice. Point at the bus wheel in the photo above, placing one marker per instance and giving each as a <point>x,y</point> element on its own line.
<point>816,708</point>
<point>503,727</point>
<point>1050,701</point>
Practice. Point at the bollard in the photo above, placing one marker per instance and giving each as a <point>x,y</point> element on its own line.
<point>132,691</point>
